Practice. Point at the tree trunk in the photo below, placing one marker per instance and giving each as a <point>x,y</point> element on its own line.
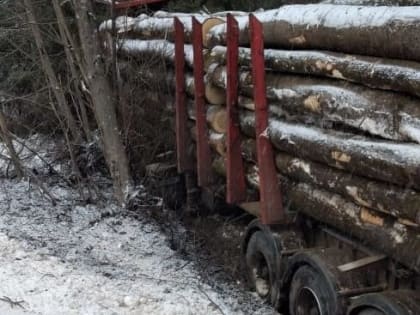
<point>351,29</point>
<point>386,74</point>
<point>381,160</point>
<point>400,203</point>
<point>319,101</point>
<point>68,42</point>
<point>103,101</point>
<point>55,86</point>
<point>7,139</point>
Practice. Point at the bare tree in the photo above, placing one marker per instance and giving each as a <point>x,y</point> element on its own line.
<point>55,86</point>
<point>103,98</point>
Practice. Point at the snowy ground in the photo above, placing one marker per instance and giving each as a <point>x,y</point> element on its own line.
<point>78,258</point>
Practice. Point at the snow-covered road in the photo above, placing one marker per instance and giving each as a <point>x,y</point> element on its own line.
<point>72,258</point>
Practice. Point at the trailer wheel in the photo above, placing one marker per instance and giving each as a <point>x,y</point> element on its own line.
<point>397,302</point>
<point>260,265</point>
<point>309,293</point>
<point>370,311</point>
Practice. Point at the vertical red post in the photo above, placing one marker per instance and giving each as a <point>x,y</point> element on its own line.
<point>271,206</point>
<point>236,186</point>
<point>181,117</point>
<point>204,171</point>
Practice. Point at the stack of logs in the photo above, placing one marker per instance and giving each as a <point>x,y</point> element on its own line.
<point>343,87</point>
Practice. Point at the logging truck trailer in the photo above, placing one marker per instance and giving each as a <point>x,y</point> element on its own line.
<point>302,264</point>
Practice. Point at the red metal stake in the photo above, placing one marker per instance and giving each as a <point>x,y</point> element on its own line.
<point>271,206</point>
<point>236,186</point>
<point>181,117</point>
<point>204,171</point>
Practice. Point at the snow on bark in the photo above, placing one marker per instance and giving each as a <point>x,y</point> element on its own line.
<point>386,114</point>
<point>123,24</point>
<point>383,160</point>
<point>387,74</point>
<point>387,161</point>
<point>352,29</point>
<point>389,199</point>
<point>158,47</point>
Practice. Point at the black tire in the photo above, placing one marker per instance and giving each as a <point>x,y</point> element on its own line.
<point>310,294</point>
<point>261,265</point>
<point>370,311</point>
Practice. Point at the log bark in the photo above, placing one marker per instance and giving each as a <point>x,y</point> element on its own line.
<point>217,141</point>
<point>154,48</point>
<point>161,28</point>
<point>360,30</point>
<point>389,199</point>
<point>216,117</point>
<point>319,101</point>
<point>166,14</point>
<point>380,160</point>
<point>395,239</point>
<point>391,237</point>
<point>214,95</point>
<point>386,74</point>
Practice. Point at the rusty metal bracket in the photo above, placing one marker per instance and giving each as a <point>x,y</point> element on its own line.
<point>271,206</point>
<point>236,186</point>
<point>204,171</point>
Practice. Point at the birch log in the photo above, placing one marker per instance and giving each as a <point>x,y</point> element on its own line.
<point>395,239</point>
<point>387,74</point>
<point>163,28</point>
<point>359,30</point>
<point>159,27</point>
<point>380,160</point>
<point>216,116</point>
<point>217,140</point>
<point>381,113</point>
<point>154,48</point>
<point>389,199</point>
<point>391,237</point>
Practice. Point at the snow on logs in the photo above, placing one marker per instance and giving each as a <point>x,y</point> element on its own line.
<point>391,32</point>
<point>387,161</point>
<point>151,27</point>
<point>346,128</point>
<point>381,113</point>
<point>154,47</point>
<point>387,74</point>
<point>398,239</point>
